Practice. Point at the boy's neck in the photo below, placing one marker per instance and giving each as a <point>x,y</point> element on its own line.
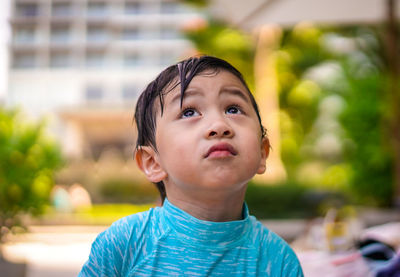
<point>215,208</point>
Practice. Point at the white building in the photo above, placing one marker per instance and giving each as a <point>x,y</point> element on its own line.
<point>83,62</point>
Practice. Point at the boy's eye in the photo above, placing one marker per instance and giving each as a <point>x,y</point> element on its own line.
<point>189,112</point>
<point>233,110</point>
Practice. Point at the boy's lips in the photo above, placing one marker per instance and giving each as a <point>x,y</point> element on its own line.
<point>221,150</point>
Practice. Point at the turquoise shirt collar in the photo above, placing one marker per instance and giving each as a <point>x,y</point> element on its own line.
<point>201,232</point>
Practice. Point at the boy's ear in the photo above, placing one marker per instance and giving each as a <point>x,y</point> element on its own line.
<point>265,147</point>
<point>147,161</point>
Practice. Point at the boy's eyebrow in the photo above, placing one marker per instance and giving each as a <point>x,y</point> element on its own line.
<point>226,90</point>
<point>188,92</point>
<point>235,91</point>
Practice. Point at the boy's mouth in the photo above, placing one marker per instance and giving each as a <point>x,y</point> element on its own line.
<point>221,150</point>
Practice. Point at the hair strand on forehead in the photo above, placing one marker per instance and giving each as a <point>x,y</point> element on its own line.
<point>187,70</point>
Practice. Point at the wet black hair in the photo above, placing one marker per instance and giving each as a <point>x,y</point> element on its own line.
<point>181,74</point>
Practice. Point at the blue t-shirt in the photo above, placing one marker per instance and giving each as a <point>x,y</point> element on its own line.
<point>166,241</point>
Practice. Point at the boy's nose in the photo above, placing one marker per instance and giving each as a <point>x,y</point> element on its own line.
<point>219,129</point>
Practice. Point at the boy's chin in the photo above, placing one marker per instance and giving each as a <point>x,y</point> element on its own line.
<point>211,182</point>
<point>224,186</point>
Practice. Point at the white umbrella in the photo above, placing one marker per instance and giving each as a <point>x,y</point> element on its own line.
<point>253,13</point>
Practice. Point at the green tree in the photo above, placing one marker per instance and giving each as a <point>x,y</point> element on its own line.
<point>28,159</point>
<point>356,77</point>
<point>217,39</point>
<point>299,94</point>
<point>365,117</point>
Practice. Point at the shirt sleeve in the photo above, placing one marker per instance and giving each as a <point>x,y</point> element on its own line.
<point>107,253</point>
<point>291,265</point>
<point>279,259</point>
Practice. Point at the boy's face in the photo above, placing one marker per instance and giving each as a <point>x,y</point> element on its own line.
<point>213,142</point>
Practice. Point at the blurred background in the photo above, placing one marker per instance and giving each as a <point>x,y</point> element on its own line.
<point>325,75</point>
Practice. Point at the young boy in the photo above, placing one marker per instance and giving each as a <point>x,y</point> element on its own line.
<point>200,140</point>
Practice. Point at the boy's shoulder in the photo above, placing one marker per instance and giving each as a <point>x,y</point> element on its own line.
<point>124,229</point>
<point>266,238</point>
<point>116,241</point>
<point>275,249</point>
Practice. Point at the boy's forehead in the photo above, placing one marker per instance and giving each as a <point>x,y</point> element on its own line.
<point>220,76</point>
<point>221,79</point>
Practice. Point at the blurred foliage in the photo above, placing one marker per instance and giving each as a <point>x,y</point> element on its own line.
<point>299,96</point>
<point>109,179</point>
<point>196,3</point>
<point>128,191</point>
<point>364,119</point>
<point>216,39</point>
<point>291,201</point>
<point>27,163</point>
<point>332,87</point>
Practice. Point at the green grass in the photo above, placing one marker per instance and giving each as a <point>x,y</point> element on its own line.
<point>98,214</point>
<point>112,210</point>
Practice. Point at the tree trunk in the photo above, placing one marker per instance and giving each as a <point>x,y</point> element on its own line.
<point>392,48</point>
<point>268,38</point>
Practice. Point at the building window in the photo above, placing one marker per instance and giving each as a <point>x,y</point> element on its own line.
<point>97,9</point>
<point>132,60</point>
<point>24,34</point>
<point>94,93</point>
<point>133,8</point>
<point>130,34</point>
<point>94,59</point>
<point>96,34</point>
<point>130,92</point>
<point>27,9</point>
<point>150,34</point>
<point>60,60</point>
<point>167,59</point>
<point>169,33</point>
<point>60,9</point>
<point>24,60</point>
<point>172,7</point>
<point>60,34</point>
